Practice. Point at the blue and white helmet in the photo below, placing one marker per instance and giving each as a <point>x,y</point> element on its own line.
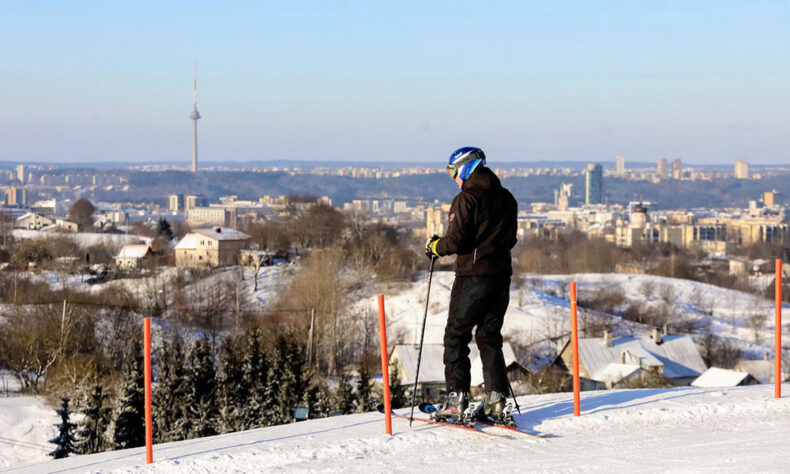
<point>464,160</point>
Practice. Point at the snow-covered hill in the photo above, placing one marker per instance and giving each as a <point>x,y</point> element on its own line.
<point>680,430</point>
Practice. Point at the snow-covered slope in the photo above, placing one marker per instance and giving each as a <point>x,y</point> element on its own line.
<point>680,430</point>
<point>26,424</point>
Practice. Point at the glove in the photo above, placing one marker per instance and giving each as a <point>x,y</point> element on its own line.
<point>430,246</point>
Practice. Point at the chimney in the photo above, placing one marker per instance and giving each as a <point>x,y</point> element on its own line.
<point>622,357</point>
<point>218,230</point>
<point>657,336</point>
<point>765,356</point>
<point>607,338</point>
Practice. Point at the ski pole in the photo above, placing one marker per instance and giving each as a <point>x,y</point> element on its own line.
<point>513,394</point>
<point>422,336</point>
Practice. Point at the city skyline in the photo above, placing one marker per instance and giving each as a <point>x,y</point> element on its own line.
<point>384,83</point>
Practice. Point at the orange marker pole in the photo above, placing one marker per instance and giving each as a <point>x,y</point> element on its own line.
<point>575,349</point>
<point>778,332</point>
<point>385,371</point>
<point>149,444</point>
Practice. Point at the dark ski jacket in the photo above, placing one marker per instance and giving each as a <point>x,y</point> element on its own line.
<point>482,226</point>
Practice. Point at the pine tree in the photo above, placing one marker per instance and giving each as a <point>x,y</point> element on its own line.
<point>345,398</point>
<point>201,391</point>
<point>320,401</point>
<point>366,402</point>
<point>130,406</point>
<point>255,372</point>
<point>169,395</point>
<point>65,438</point>
<point>288,393</point>
<point>232,393</point>
<point>398,397</point>
<point>91,437</point>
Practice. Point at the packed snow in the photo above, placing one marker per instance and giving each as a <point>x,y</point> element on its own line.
<point>26,424</point>
<point>651,430</point>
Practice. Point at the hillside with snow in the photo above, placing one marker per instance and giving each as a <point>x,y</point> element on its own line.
<point>652,430</point>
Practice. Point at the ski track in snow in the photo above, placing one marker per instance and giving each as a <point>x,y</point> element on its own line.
<point>653,430</point>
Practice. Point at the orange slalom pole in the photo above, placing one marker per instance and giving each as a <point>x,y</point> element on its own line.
<point>575,349</point>
<point>149,444</point>
<point>778,332</point>
<point>385,370</point>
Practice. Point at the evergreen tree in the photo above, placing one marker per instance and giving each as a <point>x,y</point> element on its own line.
<point>163,228</point>
<point>345,398</point>
<point>91,437</point>
<point>398,396</point>
<point>65,438</point>
<point>289,391</point>
<point>365,400</point>
<point>232,393</point>
<point>169,395</point>
<point>320,401</point>
<point>130,407</point>
<point>201,391</point>
<point>255,372</point>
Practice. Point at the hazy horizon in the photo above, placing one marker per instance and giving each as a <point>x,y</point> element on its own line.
<point>408,82</point>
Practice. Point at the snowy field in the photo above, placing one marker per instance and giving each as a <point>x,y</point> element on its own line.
<point>657,430</point>
<point>85,239</point>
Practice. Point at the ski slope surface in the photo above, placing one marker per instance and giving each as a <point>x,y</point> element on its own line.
<point>741,429</point>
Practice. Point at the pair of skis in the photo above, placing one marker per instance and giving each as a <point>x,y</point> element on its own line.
<point>427,408</point>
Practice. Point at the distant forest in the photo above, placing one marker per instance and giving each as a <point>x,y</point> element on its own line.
<point>668,194</point>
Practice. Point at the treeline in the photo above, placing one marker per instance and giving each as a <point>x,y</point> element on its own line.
<point>247,383</point>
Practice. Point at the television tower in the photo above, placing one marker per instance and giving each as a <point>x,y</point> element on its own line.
<point>194,116</point>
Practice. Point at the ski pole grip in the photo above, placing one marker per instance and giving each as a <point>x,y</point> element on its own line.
<point>385,373</point>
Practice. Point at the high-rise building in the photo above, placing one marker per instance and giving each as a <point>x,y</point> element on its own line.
<point>175,202</point>
<point>677,166</point>
<point>594,184</point>
<point>771,198</point>
<point>20,173</point>
<point>741,169</point>
<point>16,196</point>
<point>620,160</point>
<point>662,168</point>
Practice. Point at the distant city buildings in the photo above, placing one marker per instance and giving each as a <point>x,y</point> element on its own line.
<point>741,169</point>
<point>677,169</point>
<point>661,169</point>
<point>620,165</point>
<point>594,184</point>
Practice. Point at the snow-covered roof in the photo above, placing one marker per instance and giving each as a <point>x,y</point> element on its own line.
<point>133,251</point>
<point>188,242</point>
<point>432,363</point>
<point>762,370</point>
<point>676,355</point>
<point>716,377</point>
<point>222,233</point>
<point>616,372</point>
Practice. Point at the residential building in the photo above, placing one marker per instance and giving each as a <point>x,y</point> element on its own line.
<point>175,202</point>
<point>741,169</point>
<point>620,165</point>
<point>436,220</point>
<point>134,256</point>
<point>594,184</point>
<point>211,247</point>
<point>194,200</point>
<point>20,174</point>
<point>717,377</point>
<point>212,216</point>
<point>16,196</point>
<point>771,198</point>
<point>607,362</point>
<point>662,169</point>
<point>677,169</point>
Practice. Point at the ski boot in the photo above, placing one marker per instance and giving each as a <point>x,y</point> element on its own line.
<point>495,408</point>
<point>455,409</point>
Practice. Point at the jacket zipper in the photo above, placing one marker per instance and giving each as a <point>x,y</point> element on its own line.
<point>474,257</point>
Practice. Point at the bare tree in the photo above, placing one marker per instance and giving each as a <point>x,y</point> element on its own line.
<point>756,322</point>
<point>647,288</point>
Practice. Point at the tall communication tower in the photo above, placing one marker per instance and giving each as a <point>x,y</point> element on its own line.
<point>194,116</point>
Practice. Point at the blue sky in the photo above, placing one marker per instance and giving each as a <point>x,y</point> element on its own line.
<point>707,82</point>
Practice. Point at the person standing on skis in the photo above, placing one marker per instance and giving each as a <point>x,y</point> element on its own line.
<point>481,231</point>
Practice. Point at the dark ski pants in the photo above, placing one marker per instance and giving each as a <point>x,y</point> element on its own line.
<point>476,301</point>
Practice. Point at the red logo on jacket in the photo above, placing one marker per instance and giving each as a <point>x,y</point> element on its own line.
<point>452,216</point>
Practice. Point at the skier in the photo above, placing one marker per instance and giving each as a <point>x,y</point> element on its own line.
<point>481,231</point>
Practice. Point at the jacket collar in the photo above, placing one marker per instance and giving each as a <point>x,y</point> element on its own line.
<point>481,177</point>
